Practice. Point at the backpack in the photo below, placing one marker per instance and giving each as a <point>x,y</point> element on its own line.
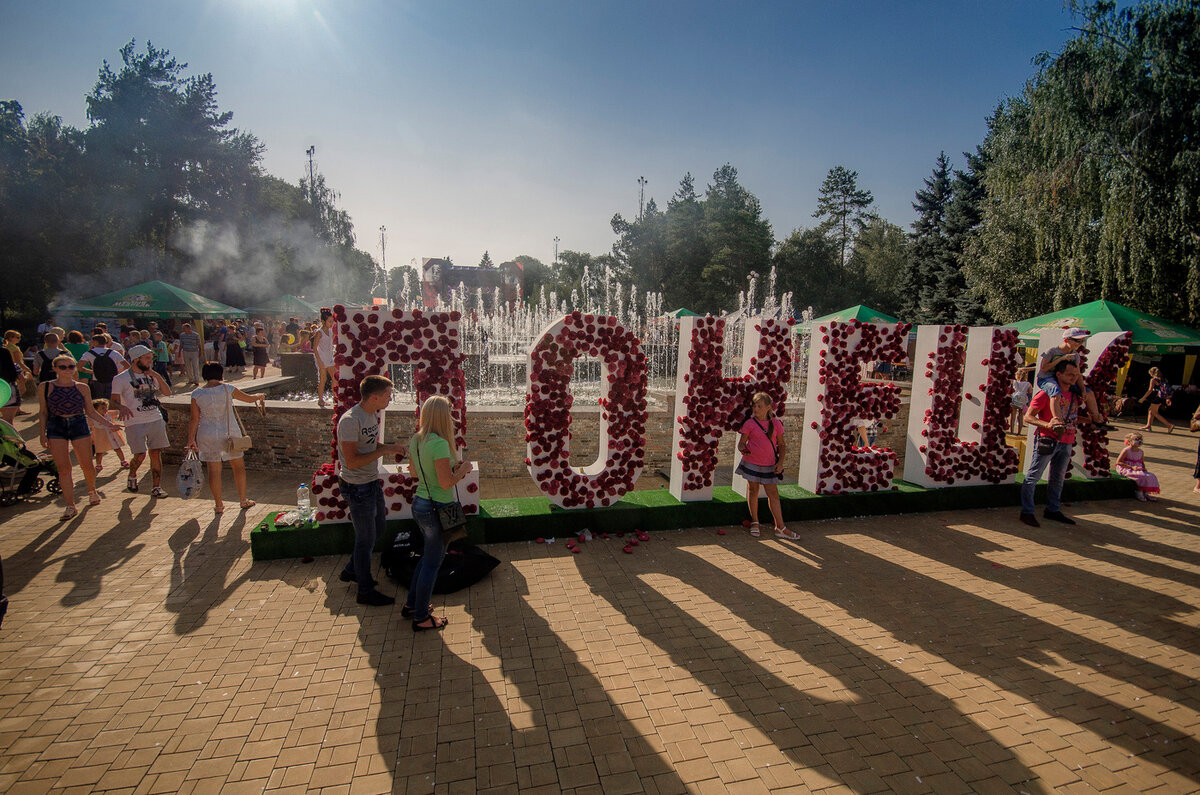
<point>104,369</point>
<point>1165,390</point>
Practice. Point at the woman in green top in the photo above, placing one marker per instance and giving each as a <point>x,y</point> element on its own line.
<point>77,347</point>
<point>434,463</point>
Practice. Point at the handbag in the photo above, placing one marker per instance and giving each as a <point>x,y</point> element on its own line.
<point>1046,444</point>
<point>190,479</point>
<point>239,443</point>
<point>451,517</point>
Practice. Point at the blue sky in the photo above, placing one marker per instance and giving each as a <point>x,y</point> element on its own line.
<point>465,126</point>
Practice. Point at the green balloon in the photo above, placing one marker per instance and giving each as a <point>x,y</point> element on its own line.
<point>5,391</point>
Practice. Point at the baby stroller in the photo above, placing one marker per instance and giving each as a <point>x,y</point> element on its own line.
<point>20,469</point>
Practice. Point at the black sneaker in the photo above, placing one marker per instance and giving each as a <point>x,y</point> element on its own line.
<point>375,599</point>
<point>1058,516</point>
<point>1030,519</point>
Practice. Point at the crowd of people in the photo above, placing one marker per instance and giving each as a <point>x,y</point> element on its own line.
<point>100,393</point>
<point>103,395</point>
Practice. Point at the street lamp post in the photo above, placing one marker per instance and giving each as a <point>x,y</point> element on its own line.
<point>556,239</point>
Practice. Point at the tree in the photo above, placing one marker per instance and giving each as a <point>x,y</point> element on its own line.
<point>880,265</point>
<point>933,279</point>
<point>844,209</point>
<point>486,261</point>
<point>1093,172</point>
<point>159,149</point>
<point>963,217</point>
<point>803,262</point>
<point>699,252</point>
<point>536,278</point>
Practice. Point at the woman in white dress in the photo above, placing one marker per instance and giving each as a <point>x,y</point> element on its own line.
<point>323,353</point>
<point>212,422</point>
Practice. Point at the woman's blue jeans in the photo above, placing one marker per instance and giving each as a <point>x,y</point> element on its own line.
<point>421,590</point>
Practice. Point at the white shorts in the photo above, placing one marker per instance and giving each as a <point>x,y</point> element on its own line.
<point>147,434</point>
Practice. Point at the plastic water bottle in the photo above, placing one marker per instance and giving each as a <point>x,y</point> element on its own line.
<point>304,502</point>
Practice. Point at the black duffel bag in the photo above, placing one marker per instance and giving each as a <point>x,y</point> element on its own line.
<point>465,564</point>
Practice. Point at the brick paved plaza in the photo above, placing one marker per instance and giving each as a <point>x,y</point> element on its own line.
<point>145,652</point>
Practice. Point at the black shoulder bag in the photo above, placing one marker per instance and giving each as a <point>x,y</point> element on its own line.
<point>450,516</point>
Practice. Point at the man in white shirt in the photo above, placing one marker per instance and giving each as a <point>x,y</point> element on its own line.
<point>135,397</point>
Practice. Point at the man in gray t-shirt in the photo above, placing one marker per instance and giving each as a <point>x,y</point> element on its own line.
<point>360,480</point>
<point>189,346</point>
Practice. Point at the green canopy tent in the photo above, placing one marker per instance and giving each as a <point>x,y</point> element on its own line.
<point>681,312</point>
<point>859,312</point>
<point>286,306</point>
<point>1151,335</point>
<point>154,299</point>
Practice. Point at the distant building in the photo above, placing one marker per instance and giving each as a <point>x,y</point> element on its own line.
<point>440,276</point>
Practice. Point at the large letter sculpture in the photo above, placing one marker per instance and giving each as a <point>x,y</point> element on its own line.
<point>830,460</point>
<point>1090,456</point>
<point>956,432</point>
<point>707,403</point>
<point>622,416</point>
<point>368,341</point>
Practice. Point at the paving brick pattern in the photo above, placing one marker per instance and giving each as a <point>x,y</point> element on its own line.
<point>145,652</point>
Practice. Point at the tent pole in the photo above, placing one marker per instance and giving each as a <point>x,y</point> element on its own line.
<point>1189,365</point>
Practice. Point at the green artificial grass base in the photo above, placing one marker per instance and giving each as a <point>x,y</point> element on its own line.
<point>527,518</point>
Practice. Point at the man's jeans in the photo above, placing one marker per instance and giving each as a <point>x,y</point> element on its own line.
<point>1058,460</point>
<point>426,574</point>
<point>368,514</point>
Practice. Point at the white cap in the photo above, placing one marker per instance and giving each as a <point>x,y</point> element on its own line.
<point>1076,334</point>
<point>137,351</point>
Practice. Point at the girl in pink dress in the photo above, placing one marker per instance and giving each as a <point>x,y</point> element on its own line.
<point>763,448</point>
<point>1130,463</point>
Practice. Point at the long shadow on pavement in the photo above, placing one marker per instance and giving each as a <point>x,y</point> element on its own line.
<point>441,722</point>
<point>994,641</point>
<point>868,722</point>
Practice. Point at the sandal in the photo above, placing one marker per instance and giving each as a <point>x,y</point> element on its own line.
<point>783,532</point>
<point>434,623</point>
<point>754,530</point>
<point>69,513</point>
<point>409,612</point>
<point>94,499</point>
<point>248,504</point>
<point>158,491</point>
<point>100,467</point>
<point>131,484</point>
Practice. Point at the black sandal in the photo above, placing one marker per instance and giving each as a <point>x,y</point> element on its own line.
<point>437,623</point>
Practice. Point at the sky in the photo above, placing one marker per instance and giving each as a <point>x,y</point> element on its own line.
<point>465,126</point>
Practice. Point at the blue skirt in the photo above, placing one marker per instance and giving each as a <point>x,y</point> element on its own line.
<point>754,473</point>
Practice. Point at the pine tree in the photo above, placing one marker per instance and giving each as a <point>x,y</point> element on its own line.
<point>933,277</point>
<point>962,220</point>
<point>844,209</point>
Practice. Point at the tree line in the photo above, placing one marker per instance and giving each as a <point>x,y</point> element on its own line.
<point>160,185</point>
<point>1086,186</point>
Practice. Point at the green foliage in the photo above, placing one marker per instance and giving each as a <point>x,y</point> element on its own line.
<point>1093,172</point>
<point>486,261</point>
<point>803,264</point>
<point>698,253</point>
<point>160,186</point>
<point>879,267</point>
<point>843,209</point>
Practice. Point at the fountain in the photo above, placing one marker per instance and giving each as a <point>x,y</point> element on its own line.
<point>497,336</point>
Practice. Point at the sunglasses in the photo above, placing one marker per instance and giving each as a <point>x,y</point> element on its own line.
<point>64,367</point>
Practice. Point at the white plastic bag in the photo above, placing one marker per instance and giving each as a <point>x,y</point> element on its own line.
<point>190,479</point>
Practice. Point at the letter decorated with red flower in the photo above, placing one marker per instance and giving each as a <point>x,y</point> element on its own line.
<point>831,462</point>
<point>548,402</point>
<point>961,400</point>
<point>368,340</point>
<point>707,404</point>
